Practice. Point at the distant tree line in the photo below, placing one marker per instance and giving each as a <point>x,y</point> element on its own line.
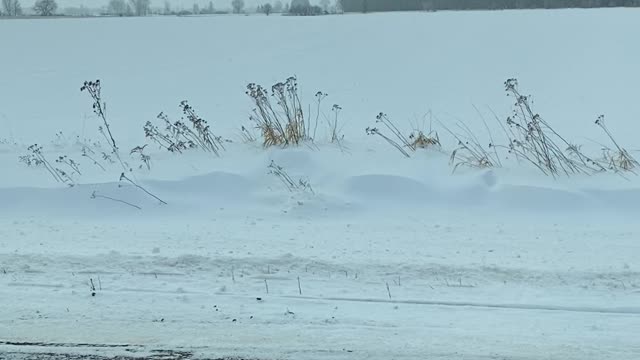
<point>40,7</point>
<point>299,8</point>
<point>11,8</point>
<point>413,5</point>
<point>143,8</point>
<point>130,8</point>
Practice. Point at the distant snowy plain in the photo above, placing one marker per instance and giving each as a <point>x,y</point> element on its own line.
<point>388,257</point>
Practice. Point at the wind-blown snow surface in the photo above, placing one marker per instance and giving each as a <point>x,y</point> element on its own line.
<point>388,257</point>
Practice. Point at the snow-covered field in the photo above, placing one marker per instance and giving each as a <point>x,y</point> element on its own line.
<point>386,258</point>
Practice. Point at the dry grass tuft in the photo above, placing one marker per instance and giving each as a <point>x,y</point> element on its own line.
<point>534,140</point>
<point>619,159</point>
<point>416,140</point>
<point>282,124</point>
<point>470,152</point>
<point>190,132</point>
<point>292,185</point>
<point>420,140</point>
<point>279,116</point>
<point>464,156</point>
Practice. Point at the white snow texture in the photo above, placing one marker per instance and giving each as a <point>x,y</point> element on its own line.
<point>387,257</point>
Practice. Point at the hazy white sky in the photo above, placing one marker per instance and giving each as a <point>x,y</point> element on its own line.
<point>187,4</point>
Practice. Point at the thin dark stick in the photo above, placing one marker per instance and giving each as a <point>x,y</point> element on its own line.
<point>233,276</point>
<point>95,195</point>
<point>94,161</point>
<point>123,176</point>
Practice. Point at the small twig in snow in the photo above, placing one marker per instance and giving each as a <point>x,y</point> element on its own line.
<point>123,176</point>
<point>95,195</point>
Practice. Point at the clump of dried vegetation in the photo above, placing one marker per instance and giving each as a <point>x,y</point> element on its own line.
<point>283,122</point>
<point>279,115</point>
<point>292,185</point>
<point>528,137</point>
<point>417,139</point>
<point>534,140</point>
<point>37,158</point>
<point>94,89</point>
<point>618,159</point>
<point>190,132</point>
<point>280,119</point>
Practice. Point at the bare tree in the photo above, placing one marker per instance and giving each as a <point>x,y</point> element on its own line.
<point>141,7</point>
<point>7,6</point>
<point>339,7</point>
<point>167,8</point>
<point>12,7</point>
<point>304,8</point>
<point>237,5</point>
<point>118,7</point>
<point>196,9</point>
<point>266,9</point>
<point>45,7</point>
<point>324,4</point>
<point>277,7</point>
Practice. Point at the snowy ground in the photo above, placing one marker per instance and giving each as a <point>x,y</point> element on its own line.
<point>387,258</point>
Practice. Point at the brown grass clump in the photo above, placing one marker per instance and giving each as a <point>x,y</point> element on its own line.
<point>282,123</point>
<point>534,140</point>
<point>420,140</point>
<point>279,116</point>
<point>416,140</point>
<point>619,159</point>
